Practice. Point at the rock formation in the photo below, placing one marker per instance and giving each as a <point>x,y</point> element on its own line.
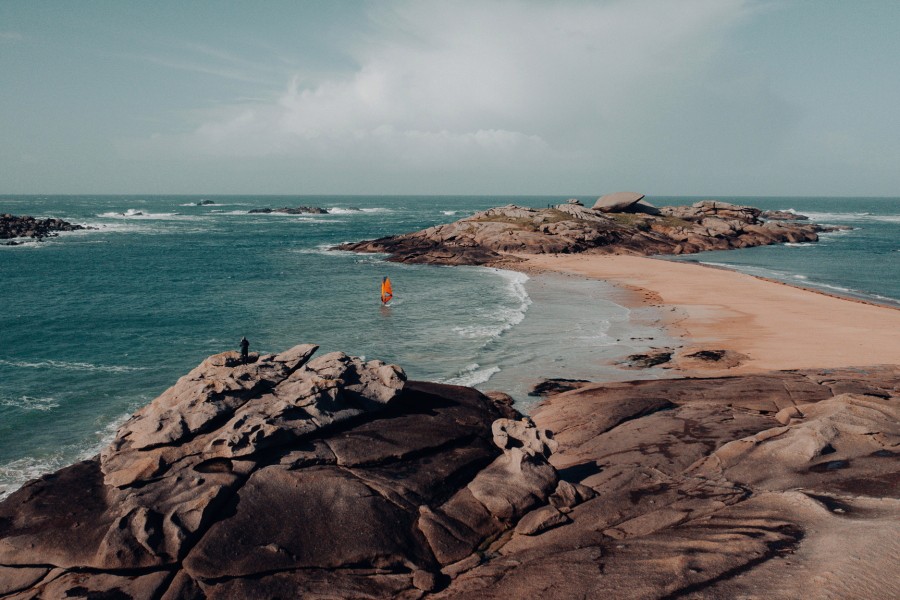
<point>617,202</point>
<point>292,476</point>
<point>779,485</point>
<point>618,224</point>
<point>12,226</point>
<point>288,475</point>
<point>299,210</point>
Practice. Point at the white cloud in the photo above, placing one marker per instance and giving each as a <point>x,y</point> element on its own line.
<point>473,85</point>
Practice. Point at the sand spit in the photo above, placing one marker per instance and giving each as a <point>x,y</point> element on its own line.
<point>767,325</point>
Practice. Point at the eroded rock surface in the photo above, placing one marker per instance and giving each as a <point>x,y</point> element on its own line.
<point>293,476</point>
<point>288,475</point>
<point>620,223</point>
<point>778,485</point>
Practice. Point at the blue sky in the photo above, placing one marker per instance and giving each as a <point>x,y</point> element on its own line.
<point>694,97</point>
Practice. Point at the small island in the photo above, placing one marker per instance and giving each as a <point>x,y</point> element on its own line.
<point>12,226</point>
<point>620,223</point>
<point>298,210</point>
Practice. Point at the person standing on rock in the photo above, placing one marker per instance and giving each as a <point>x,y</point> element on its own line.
<point>245,347</point>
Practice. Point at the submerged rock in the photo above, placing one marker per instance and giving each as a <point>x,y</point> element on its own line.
<point>299,210</point>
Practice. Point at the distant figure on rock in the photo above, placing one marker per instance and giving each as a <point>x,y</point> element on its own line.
<point>245,347</point>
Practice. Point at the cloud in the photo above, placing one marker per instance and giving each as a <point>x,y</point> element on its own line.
<point>470,86</point>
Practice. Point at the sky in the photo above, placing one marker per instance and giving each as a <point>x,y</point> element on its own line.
<point>664,97</point>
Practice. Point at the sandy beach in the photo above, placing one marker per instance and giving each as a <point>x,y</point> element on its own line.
<point>773,325</point>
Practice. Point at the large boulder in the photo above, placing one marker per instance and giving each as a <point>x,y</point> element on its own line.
<point>617,202</point>
<point>285,475</point>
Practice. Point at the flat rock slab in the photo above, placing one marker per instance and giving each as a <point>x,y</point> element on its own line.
<point>696,492</point>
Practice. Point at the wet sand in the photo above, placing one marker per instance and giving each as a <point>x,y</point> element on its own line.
<point>766,324</point>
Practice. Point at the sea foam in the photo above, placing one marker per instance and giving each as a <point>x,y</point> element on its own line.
<point>473,374</point>
<point>70,366</point>
<point>15,473</point>
<point>503,318</point>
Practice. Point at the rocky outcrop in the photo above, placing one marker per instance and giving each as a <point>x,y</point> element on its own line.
<point>293,476</point>
<point>777,485</point>
<point>12,226</point>
<point>285,476</point>
<point>298,210</point>
<point>622,225</point>
<point>783,215</point>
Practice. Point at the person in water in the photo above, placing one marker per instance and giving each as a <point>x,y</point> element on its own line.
<point>245,347</point>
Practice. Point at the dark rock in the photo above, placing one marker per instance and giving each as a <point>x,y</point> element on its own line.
<point>709,355</point>
<point>649,359</point>
<point>549,387</point>
<point>299,210</point>
<point>782,215</point>
<point>12,226</point>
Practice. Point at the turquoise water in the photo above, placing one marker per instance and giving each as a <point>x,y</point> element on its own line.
<point>863,262</point>
<point>97,323</point>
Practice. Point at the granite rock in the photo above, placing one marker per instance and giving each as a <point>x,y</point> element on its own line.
<point>498,235</point>
<point>289,475</point>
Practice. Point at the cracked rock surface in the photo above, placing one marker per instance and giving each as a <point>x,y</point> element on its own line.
<point>776,485</point>
<point>287,475</point>
<point>293,476</point>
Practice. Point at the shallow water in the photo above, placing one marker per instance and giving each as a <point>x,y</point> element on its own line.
<point>98,323</point>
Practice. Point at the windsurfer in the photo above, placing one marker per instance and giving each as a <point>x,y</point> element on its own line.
<point>386,291</point>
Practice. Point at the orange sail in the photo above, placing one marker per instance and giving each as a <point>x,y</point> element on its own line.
<point>386,291</point>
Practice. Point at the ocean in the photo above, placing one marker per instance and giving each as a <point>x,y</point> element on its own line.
<point>97,323</point>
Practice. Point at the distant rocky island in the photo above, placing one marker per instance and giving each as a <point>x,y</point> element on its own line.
<point>12,226</point>
<point>620,223</point>
<point>292,476</point>
<point>298,210</point>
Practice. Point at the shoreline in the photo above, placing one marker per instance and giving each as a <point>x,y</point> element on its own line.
<point>762,326</point>
<point>574,328</point>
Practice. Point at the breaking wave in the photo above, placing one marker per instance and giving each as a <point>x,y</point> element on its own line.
<point>15,473</point>
<point>70,366</point>
<point>506,317</point>
<point>133,213</point>
<point>472,375</point>
<point>30,403</point>
<point>820,217</point>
